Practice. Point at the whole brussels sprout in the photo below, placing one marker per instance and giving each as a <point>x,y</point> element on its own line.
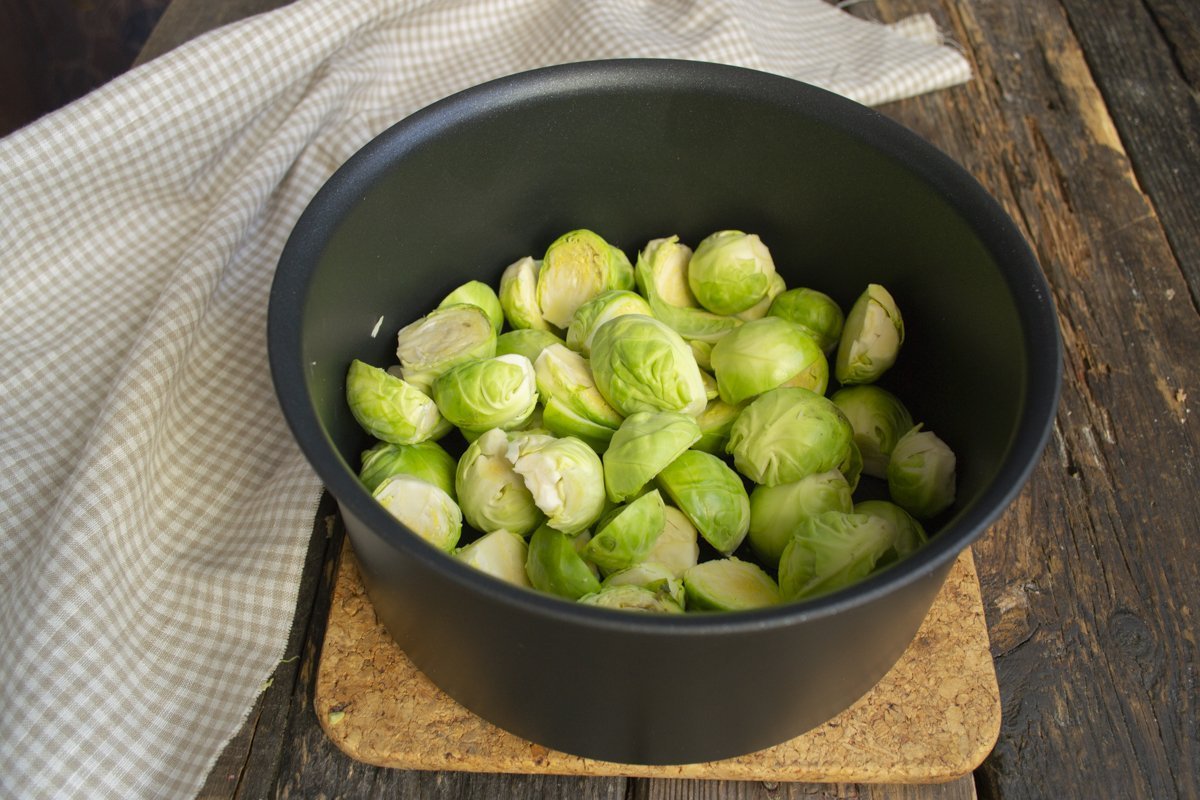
<point>711,495</point>
<point>640,364</point>
<point>764,354</point>
<point>909,533</point>
<point>633,598</point>
<point>730,271</point>
<point>497,392</point>
<point>878,418</point>
<point>775,511</point>
<point>644,444</point>
<point>816,312</point>
<point>564,476</point>
<point>651,575</point>
<point>478,293</point>
<point>578,266</point>
<point>501,554</point>
<point>599,310</point>
<point>556,567</point>
<point>871,337</point>
<point>832,550</point>
<point>661,273</point>
<point>428,461</point>
<point>491,493</point>
<point>626,534</point>
<point>390,408</point>
<point>715,421</point>
<point>518,295</point>
<point>678,546</point>
<point>788,433</point>
<point>760,309</point>
<point>528,342</point>
<point>921,474</point>
<point>443,338</point>
<point>423,508</point>
<point>729,584</point>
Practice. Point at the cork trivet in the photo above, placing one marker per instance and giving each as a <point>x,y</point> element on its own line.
<point>933,717</point>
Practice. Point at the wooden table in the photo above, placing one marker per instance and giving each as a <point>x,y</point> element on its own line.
<point>1083,120</point>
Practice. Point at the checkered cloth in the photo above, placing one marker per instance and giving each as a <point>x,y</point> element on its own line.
<point>154,510</point>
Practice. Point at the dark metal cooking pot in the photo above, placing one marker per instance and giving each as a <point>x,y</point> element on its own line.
<point>636,150</point>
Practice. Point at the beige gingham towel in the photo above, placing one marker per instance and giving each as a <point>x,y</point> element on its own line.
<point>154,511</point>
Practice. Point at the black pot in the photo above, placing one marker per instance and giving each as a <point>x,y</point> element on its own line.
<point>636,150</point>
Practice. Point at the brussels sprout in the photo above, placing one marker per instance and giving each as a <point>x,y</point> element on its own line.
<point>788,433</point>
<point>640,364</point>
<point>578,266</point>
<point>389,408</point>
<point>651,575</point>
<point>627,534</point>
<point>730,271</point>
<point>920,474</point>
<point>851,466</point>
<point>878,418</point>
<point>560,420</point>
<point>566,376</point>
<point>766,353</point>
<point>633,598</point>
<point>678,546</point>
<point>662,277</point>
<point>644,444</point>
<point>715,421</point>
<point>775,511</point>
<point>490,393</point>
<point>555,566</point>
<point>711,390</point>
<point>528,342</point>
<point>702,352</point>
<point>564,476</point>
<point>477,293</point>
<point>711,495</point>
<point>491,493</point>
<point>909,533</point>
<point>871,337</point>
<point>832,550</point>
<point>760,309</point>
<point>814,311</point>
<point>443,338</point>
<point>423,508</point>
<point>729,584</point>
<point>428,461</point>
<point>518,295</point>
<point>599,310</point>
<point>501,554</point>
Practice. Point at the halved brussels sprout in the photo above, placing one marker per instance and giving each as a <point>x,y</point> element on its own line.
<point>428,461</point>
<point>599,310</point>
<point>775,511</point>
<point>528,342</point>
<point>816,312</point>
<point>423,508</point>
<point>633,598</point>
<point>788,433</point>
<point>651,575</point>
<point>555,566</point>
<point>443,338</point>
<point>390,408</point>
<point>578,266</point>
<point>491,493</point>
<point>760,309</point>
<point>711,390</point>
<point>711,495</point>
<point>909,533</point>
<point>644,444</point>
<point>518,295</point>
<point>640,364</point>
<point>566,376</point>
<point>871,337</point>
<point>478,293</point>
<point>729,584</point>
<point>715,421</point>
<point>561,420</point>
<point>703,353</point>
<point>678,546</point>
<point>766,353</point>
<point>626,534</point>
<point>501,554</point>
<point>878,418</point>
<point>662,278</point>
<point>564,476</point>
<point>921,474</point>
<point>832,550</point>
<point>498,392</point>
<point>730,271</point>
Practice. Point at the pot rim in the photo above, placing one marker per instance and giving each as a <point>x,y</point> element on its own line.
<point>983,214</point>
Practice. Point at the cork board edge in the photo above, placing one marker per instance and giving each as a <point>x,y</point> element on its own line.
<point>821,755</point>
